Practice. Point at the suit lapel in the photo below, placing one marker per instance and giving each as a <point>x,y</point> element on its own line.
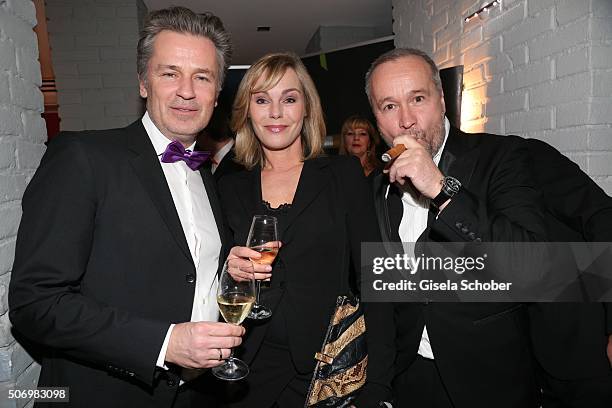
<point>458,159</point>
<point>312,180</point>
<point>395,209</point>
<point>246,186</point>
<point>225,163</point>
<point>389,211</point>
<point>148,169</point>
<point>249,191</point>
<point>379,184</point>
<point>460,156</point>
<point>213,199</point>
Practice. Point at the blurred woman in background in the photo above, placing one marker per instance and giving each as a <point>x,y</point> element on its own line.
<point>359,138</point>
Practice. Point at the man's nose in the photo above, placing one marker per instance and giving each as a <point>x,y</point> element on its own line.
<point>185,89</point>
<point>407,118</point>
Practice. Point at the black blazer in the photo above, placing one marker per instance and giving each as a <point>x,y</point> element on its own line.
<point>102,267</point>
<point>331,214</point>
<point>481,349</point>
<point>227,165</point>
<point>570,339</point>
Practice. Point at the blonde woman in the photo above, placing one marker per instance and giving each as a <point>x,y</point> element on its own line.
<point>324,210</point>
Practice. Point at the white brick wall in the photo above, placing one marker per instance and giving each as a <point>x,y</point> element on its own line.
<point>93,48</point>
<point>22,133</point>
<point>551,60</point>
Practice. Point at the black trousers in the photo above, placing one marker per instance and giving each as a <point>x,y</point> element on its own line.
<point>584,393</point>
<point>205,391</point>
<point>420,386</point>
<point>272,383</point>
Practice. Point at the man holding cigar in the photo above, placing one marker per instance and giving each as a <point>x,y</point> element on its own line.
<point>444,185</point>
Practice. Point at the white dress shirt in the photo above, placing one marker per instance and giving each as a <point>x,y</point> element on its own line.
<point>200,228</point>
<point>414,222</point>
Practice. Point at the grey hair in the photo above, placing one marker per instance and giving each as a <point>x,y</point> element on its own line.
<point>184,21</point>
<point>395,55</point>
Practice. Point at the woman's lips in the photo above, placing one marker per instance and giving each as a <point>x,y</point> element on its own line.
<point>276,128</point>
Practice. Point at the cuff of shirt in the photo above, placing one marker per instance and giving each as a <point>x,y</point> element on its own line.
<point>161,359</point>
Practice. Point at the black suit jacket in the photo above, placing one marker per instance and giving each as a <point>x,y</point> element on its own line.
<point>102,267</point>
<point>331,215</point>
<point>570,339</point>
<point>481,349</point>
<point>227,165</point>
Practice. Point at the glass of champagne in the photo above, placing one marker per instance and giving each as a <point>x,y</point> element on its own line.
<point>235,296</point>
<point>263,238</point>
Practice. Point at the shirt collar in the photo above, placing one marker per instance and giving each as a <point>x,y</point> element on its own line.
<point>223,151</point>
<point>438,154</point>
<point>159,141</point>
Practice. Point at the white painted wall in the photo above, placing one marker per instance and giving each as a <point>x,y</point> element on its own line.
<point>93,48</point>
<point>536,68</point>
<point>22,134</point>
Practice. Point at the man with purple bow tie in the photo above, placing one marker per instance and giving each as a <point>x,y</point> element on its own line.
<point>122,238</point>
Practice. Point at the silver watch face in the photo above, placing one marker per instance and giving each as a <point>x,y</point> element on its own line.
<point>452,185</point>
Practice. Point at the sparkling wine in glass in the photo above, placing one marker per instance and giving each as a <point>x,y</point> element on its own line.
<point>235,297</point>
<point>263,238</point>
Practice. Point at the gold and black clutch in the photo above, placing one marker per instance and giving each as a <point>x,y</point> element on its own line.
<point>341,364</point>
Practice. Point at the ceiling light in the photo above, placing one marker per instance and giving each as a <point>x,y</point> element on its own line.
<point>483,11</point>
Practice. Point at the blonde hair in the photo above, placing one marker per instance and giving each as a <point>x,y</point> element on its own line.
<point>359,122</point>
<point>271,68</point>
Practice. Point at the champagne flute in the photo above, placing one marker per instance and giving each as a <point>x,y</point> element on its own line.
<point>263,238</point>
<point>235,297</point>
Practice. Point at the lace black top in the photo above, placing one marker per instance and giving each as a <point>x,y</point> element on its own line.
<point>283,208</point>
<point>277,332</point>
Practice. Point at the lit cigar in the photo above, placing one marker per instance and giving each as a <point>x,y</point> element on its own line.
<point>392,153</point>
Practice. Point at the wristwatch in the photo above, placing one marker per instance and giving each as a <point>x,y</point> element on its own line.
<point>450,187</point>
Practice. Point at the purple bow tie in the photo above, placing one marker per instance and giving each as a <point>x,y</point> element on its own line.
<point>175,152</point>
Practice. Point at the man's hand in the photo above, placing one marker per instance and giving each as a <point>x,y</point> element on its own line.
<point>610,349</point>
<point>417,165</point>
<point>198,344</point>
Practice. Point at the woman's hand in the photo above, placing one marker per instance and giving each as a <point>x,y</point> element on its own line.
<point>242,262</point>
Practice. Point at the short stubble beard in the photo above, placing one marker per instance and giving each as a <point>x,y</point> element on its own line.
<point>433,137</point>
